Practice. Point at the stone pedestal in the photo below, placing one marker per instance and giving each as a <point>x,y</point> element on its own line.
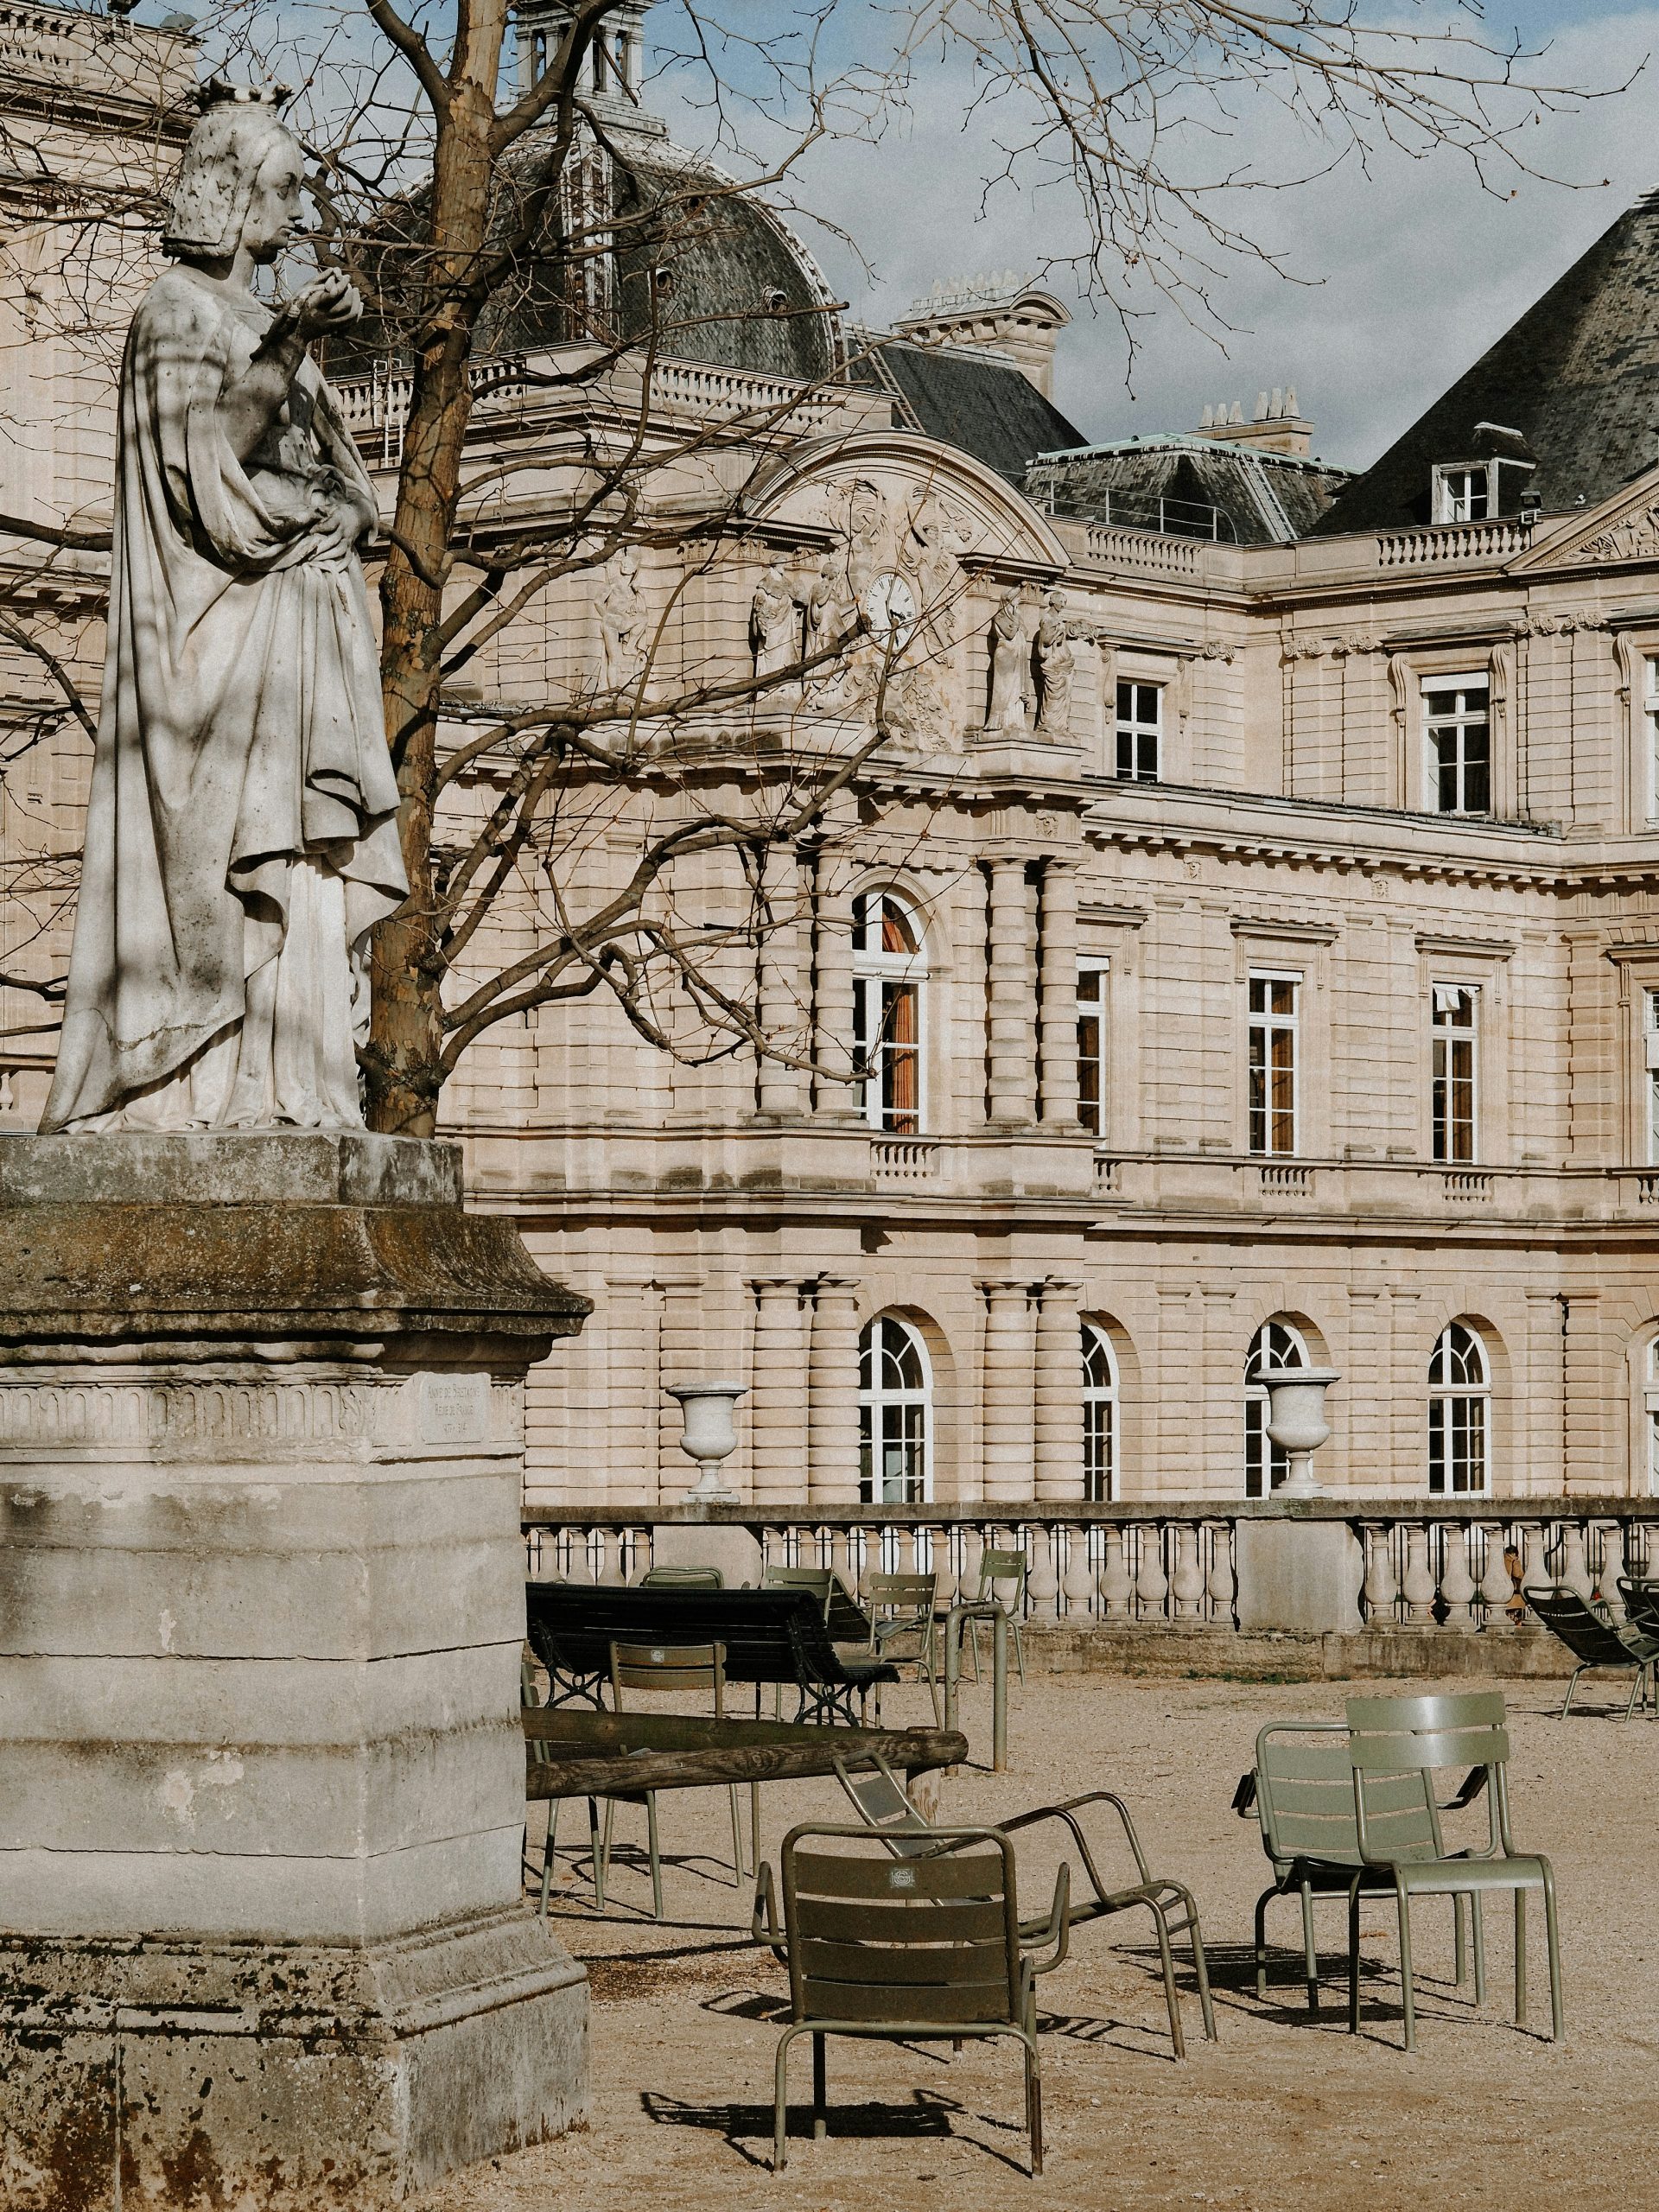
<point>1298,1572</point>
<point>261,1608</point>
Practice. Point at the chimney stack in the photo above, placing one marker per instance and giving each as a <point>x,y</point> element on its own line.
<point>1278,426</point>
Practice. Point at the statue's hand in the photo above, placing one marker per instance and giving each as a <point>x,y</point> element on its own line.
<point>328,303</point>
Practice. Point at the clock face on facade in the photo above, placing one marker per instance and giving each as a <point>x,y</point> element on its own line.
<point>890,610</point>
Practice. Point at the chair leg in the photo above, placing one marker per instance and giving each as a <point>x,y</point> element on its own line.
<point>1478,1929</point>
<point>1170,1999</point>
<point>1034,2108</point>
<point>779,2100</point>
<point>754,1827</point>
<point>549,1845</point>
<point>1566,1705</point>
<point>1636,1684</point>
<point>602,1851</point>
<point>1353,1958</point>
<point>1408,1995</point>
<point>1018,1652</point>
<point>737,1840</point>
<point>1460,1961</point>
<point>1551,1939</point>
<point>820,2103</point>
<point>1309,1952</point>
<point>653,1846</point>
<point>1520,1958</point>
<point>1261,1905</point>
<point>1201,1972</point>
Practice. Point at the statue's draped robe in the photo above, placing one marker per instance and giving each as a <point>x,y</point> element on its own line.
<point>241,837</point>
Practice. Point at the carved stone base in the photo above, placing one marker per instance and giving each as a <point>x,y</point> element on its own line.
<point>175,2075</point>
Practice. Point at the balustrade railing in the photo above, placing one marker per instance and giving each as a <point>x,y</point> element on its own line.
<point>1458,1566</point>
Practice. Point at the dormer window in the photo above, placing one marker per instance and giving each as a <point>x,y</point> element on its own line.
<point>1494,480</point>
<point>1463,494</point>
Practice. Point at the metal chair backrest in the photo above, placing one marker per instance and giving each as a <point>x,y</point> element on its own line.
<point>1641,1600</point>
<point>996,1567</point>
<point>1305,1799</point>
<point>667,1666</point>
<point>1393,1736</point>
<point>1586,1634</point>
<point>921,1944</point>
<point>682,1577</point>
<point>883,1804</point>
<point>820,1581</point>
<point>903,1593</point>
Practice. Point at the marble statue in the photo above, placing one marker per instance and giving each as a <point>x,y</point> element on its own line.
<point>241,832</point>
<point>825,608</point>
<point>774,625</point>
<point>1056,668</point>
<point>624,645</point>
<point>1010,651</point>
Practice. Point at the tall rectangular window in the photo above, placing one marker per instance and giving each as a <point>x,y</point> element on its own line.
<point>1091,1044</point>
<point>1650,723</point>
<point>1140,732</point>
<point>1650,1058</point>
<point>1274,1016</point>
<point>1454,1100</point>
<point>1457,725</point>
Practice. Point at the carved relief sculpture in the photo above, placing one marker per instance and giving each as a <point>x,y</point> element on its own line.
<point>624,644</point>
<point>1056,658</point>
<point>241,834</point>
<point>1010,651</point>
<point>774,625</point>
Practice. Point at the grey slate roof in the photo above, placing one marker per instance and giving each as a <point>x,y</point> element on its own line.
<point>1267,499</point>
<point>1577,376</point>
<point>969,399</point>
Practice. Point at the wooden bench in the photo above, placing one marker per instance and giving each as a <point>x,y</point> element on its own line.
<point>768,1635</point>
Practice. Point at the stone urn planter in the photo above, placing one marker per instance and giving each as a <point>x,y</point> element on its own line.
<point>710,1435</point>
<point>1296,1422</point>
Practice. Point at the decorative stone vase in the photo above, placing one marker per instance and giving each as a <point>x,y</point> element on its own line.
<point>710,1435</point>
<point>1296,1422</point>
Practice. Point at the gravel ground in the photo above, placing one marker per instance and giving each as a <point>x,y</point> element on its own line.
<point>1285,2112</point>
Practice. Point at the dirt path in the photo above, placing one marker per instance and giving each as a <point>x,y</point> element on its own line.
<point>1286,2113</point>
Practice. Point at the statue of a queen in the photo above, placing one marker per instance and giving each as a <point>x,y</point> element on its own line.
<point>241,834</point>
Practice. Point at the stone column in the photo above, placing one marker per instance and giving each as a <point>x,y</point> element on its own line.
<point>777,1415</point>
<point>1059,994</point>
<point>1007,1395</point>
<point>1059,1393</point>
<point>833,1098</point>
<point>832,1395</point>
<point>261,1432</point>
<point>784,993</point>
<point>1012,1039</point>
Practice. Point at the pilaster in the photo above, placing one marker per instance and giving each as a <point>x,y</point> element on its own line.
<point>1059,1380</point>
<point>832,1395</point>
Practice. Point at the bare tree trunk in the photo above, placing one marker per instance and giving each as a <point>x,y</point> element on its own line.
<point>404,1071</point>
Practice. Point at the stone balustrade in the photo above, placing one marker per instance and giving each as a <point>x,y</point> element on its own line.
<point>1452,542</point>
<point>1456,1565</point>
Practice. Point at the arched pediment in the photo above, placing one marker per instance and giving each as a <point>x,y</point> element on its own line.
<point>887,486</point>
<point>1625,528</point>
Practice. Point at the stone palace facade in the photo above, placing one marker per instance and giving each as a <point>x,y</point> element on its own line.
<point>1250,933</point>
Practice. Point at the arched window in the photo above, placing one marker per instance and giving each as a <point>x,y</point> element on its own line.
<point>887,971</point>
<point>1275,1344</point>
<point>1099,1417</point>
<point>895,1406</point>
<point>1459,1399</point>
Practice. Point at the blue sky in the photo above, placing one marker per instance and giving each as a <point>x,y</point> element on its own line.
<point>1404,276</point>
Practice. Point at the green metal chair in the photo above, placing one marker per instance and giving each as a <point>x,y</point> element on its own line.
<point>886,1807</point>
<point>1595,1642</point>
<point>900,1606</point>
<point>910,1950</point>
<point>820,1581</point>
<point>1390,1737</point>
<point>658,1668</point>
<point>683,1578</point>
<point>994,1566</point>
<point>1302,1793</point>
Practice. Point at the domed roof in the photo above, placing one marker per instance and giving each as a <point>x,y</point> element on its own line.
<point>718,273</point>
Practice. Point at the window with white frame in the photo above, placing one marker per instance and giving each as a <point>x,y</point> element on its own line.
<point>1650,1414</point>
<point>1275,1344</point>
<point>1463,492</point>
<point>1650,1069</point>
<point>887,972</point>
<point>1650,726</point>
<point>895,1408</point>
<point>1275,1015</point>
<point>1459,1413</point>
<point>1092,972</point>
<point>1099,1416</point>
<point>1458,743</point>
<point>1454,1100</point>
<point>1140,732</point>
